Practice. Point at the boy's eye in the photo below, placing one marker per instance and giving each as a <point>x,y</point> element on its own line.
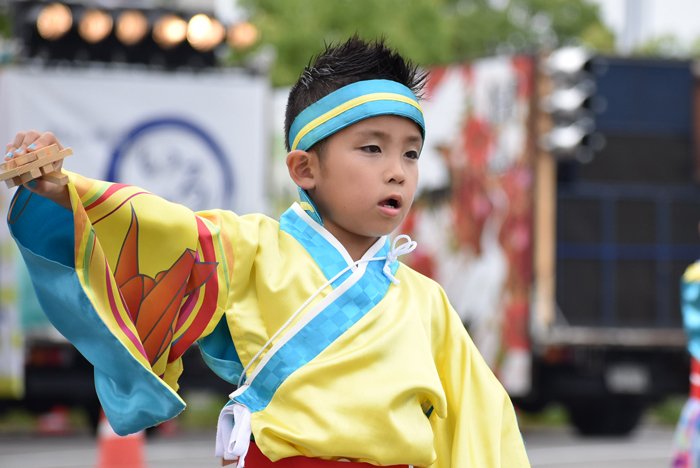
<point>372,149</point>
<point>412,155</point>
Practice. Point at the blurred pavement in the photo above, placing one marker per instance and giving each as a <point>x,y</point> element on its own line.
<point>185,450</point>
<point>649,447</point>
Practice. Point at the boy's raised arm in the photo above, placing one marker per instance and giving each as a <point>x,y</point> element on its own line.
<point>129,278</point>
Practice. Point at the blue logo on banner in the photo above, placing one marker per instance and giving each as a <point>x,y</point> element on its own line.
<point>176,160</point>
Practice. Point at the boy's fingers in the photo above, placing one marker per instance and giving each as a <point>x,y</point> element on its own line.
<point>30,138</point>
<point>30,141</point>
<point>47,139</point>
<point>23,140</point>
<point>15,145</point>
<point>19,138</point>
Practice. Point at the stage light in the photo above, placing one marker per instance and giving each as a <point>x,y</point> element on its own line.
<point>205,33</point>
<point>54,21</point>
<point>132,27</point>
<point>58,33</point>
<point>95,26</point>
<point>243,35</point>
<point>169,31</point>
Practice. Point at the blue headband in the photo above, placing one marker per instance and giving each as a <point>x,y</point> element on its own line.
<point>350,104</point>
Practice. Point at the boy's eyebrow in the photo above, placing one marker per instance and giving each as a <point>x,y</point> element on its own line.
<point>373,133</point>
<point>415,139</point>
<point>381,134</point>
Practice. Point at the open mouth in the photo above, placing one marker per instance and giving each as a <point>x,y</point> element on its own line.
<point>390,203</point>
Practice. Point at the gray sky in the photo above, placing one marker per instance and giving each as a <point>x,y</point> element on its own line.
<point>659,17</point>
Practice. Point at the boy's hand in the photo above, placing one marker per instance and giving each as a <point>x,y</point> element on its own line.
<point>32,141</point>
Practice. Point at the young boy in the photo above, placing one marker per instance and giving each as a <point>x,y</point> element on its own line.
<point>339,352</point>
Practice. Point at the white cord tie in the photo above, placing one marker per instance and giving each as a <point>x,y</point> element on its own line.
<point>233,433</point>
<point>403,249</point>
<point>233,430</point>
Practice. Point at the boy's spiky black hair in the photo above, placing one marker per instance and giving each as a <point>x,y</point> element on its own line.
<point>342,64</point>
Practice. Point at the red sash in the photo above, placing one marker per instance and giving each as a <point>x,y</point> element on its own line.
<point>256,459</point>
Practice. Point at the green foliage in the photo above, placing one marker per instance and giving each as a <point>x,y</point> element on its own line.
<point>599,38</point>
<point>427,31</point>
<point>553,415</point>
<point>668,411</point>
<point>569,18</point>
<point>666,45</point>
<point>695,48</point>
<point>299,29</point>
<point>17,421</point>
<point>5,22</point>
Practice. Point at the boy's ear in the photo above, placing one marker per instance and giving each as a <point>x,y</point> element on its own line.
<point>302,168</point>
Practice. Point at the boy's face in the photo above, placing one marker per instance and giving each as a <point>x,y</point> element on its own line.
<point>368,176</point>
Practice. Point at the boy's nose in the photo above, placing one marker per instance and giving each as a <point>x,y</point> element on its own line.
<point>395,172</point>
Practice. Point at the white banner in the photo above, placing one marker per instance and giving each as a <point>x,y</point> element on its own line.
<point>196,139</point>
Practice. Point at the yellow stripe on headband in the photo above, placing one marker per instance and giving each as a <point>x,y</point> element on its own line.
<point>349,105</point>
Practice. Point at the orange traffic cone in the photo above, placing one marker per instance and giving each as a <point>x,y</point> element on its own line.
<point>114,451</point>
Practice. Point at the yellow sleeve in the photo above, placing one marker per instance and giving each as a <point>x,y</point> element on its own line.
<point>480,429</point>
<point>132,281</point>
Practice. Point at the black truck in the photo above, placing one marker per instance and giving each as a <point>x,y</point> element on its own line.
<point>626,227</point>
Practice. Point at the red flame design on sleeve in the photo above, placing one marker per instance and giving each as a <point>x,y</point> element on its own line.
<point>154,303</point>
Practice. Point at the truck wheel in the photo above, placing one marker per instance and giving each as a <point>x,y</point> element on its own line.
<point>605,416</point>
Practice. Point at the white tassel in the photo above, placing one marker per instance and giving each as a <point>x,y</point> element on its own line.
<point>407,247</point>
<point>233,433</point>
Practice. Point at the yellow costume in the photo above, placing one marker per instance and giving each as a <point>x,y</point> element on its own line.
<point>403,385</point>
